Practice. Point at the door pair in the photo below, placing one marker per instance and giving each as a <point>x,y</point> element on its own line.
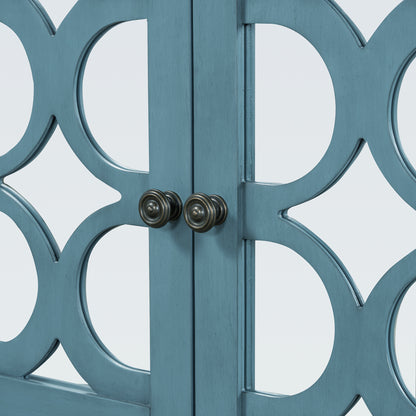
<point>201,287</point>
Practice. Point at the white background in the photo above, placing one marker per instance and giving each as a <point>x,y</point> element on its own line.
<point>361,218</point>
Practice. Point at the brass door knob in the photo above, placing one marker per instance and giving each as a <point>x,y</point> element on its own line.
<point>203,212</point>
<point>157,208</point>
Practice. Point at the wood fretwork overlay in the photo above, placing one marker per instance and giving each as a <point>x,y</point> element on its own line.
<point>57,60</point>
<point>366,78</point>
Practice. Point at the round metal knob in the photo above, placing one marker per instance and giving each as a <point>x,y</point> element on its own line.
<point>203,212</point>
<point>157,208</point>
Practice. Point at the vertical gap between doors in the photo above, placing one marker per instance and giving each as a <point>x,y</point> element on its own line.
<point>249,160</point>
<point>193,190</point>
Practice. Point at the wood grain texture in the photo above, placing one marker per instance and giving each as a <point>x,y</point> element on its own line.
<point>219,169</point>
<point>171,258</point>
<point>37,397</point>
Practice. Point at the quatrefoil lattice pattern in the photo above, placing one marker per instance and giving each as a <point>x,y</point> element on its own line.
<point>57,60</point>
<point>366,78</point>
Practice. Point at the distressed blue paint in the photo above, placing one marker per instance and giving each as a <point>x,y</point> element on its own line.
<point>366,77</point>
<point>38,397</point>
<point>219,169</point>
<point>57,60</point>
<point>201,85</point>
<point>171,256</point>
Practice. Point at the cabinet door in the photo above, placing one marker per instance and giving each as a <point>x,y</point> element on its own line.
<point>57,59</point>
<point>366,79</point>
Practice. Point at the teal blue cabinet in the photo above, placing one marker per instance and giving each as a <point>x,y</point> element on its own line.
<point>58,60</point>
<point>201,119</point>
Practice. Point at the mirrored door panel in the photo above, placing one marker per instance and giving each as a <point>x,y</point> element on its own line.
<point>329,208</point>
<point>96,111</point>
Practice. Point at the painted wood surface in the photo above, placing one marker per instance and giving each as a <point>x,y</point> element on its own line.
<point>171,248</point>
<point>219,169</point>
<point>38,397</point>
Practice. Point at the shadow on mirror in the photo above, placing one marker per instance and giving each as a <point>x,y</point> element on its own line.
<point>16,86</point>
<point>18,280</point>
<point>405,340</point>
<point>295,105</point>
<point>294,322</point>
<point>117,291</point>
<point>115,94</point>
<point>406,121</point>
